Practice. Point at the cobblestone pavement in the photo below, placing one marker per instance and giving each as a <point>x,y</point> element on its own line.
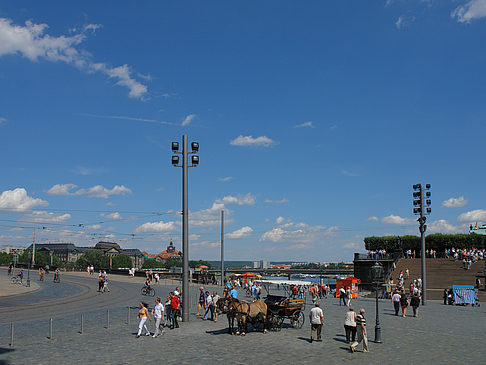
<point>441,333</point>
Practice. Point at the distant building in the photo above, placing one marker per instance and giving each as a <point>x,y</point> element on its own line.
<point>170,252</point>
<point>19,250</point>
<point>68,252</point>
<point>261,264</point>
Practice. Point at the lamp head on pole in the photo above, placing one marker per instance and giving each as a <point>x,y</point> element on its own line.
<point>377,272</point>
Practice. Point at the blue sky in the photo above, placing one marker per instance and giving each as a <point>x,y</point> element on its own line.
<point>314,121</point>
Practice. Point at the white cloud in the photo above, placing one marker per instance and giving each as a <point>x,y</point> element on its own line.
<point>247,199</point>
<point>46,217</point>
<point>250,141</point>
<point>157,227</point>
<point>333,127</point>
<point>93,227</point>
<point>404,21</point>
<point>305,125</point>
<point>2,120</point>
<point>454,202</point>
<point>188,119</point>
<point>473,9</point>
<point>301,232</point>
<point>473,216</point>
<point>442,226</point>
<point>225,179</point>
<point>373,219</point>
<point>207,244</point>
<point>395,219</point>
<point>97,191</point>
<point>31,42</point>
<point>62,189</point>
<point>298,246</point>
<point>18,199</point>
<point>348,173</point>
<point>281,201</point>
<point>114,216</point>
<point>352,245</point>
<point>240,233</point>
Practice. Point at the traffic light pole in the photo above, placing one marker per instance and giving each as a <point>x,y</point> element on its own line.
<point>422,229</point>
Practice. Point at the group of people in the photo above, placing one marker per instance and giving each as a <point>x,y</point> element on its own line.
<point>164,315</point>
<point>345,296</point>
<point>208,302</point>
<point>103,282</point>
<point>400,300</point>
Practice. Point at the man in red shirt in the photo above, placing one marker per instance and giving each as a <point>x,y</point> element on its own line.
<point>175,306</point>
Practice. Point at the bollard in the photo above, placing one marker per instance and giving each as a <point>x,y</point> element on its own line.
<point>108,319</point>
<point>128,315</point>
<point>11,334</point>
<point>82,324</point>
<point>50,328</point>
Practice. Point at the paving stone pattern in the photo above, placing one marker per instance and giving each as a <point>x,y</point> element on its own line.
<point>447,334</point>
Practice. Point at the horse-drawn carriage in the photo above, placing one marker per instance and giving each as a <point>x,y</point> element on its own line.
<point>290,305</point>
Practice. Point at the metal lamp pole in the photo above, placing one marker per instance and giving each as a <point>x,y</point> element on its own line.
<point>28,271</point>
<point>377,273</point>
<point>185,217</point>
<point>222,248</point>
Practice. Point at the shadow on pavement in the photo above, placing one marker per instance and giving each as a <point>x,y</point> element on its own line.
<point>4,350</point>
<point>339,340</point>
<point>223,331</point>
<point>304,339</point>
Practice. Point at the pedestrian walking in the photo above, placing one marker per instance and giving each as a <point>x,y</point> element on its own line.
<point>396,302</point>
<point>216,297</point>
<point>415,302</point>
<point>209,303</point>
<point>403,303</point>
<point>202,301</point>
<point>342,295</point>
<point>175,306</point>
<point>349,296</point>
<point>350,325</point>
<point>143,315</point>
<point>361,330</point>
<point>158,313</point>
<point>316,318</point>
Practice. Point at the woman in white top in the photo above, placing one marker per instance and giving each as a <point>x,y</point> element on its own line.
<point>350,324</point>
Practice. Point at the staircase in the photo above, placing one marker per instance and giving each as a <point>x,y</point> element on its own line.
<point>440,274</point>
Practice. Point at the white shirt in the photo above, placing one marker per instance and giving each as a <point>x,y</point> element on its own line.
<point>316,314</point>
<point>396,297</point>
<point>209,300</point>
<point>158,310</point>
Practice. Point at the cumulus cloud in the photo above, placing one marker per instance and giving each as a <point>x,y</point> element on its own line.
<point>352,245</point>
<point>442,226</point>
<point>454,202</point>
<point>395,219</point>
<point>473,216</point>
<point>247,199</point>
<point>93,227</point>
<point>114,216</point>
<point>281,201</point>
<point>373,219</point>
<point>240,233</point>
<point>97,191</point>
<point>287,230</point>
<point>46,217</point>
<point>157,227</point>
<point>250,141</point>
<point>305,125</point>
<point>473,9</point>
<point>188,119</point>
<point>32,42</point>
<point>17,199</point>
<point>404,21</point>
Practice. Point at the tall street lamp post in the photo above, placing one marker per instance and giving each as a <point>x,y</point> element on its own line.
<point>421,207</point>
<point>185,215</point>
<point>377,275</point>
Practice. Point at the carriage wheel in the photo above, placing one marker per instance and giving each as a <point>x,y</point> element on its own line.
<point>297,320</point>
<point>275,322</point>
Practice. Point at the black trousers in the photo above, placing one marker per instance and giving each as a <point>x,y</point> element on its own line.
<point>397,307</point>
<point>350,332</point>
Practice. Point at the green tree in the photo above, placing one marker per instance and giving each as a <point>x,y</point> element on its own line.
<point>95,258</point>
<point>5,258</point>
<point>121,261</point>
<point>152,264</point>
<point>40,259</point>
<point>194,264</point>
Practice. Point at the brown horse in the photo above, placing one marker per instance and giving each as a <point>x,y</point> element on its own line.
<point>246,312</point>
<point>222,306</point>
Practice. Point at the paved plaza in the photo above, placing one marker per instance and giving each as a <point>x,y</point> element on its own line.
<point>445,334</point>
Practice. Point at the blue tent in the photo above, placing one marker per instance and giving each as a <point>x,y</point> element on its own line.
<point>464,294</point>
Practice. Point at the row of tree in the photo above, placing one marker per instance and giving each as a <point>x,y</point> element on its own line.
<point>172,262</point>
<point>437,241</point>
